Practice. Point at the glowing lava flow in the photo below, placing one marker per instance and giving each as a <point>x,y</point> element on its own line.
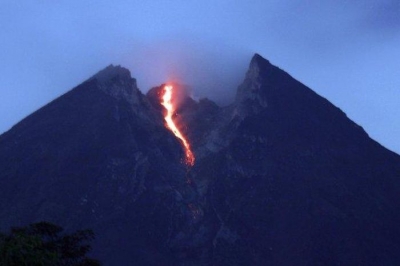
<point>167,103</point>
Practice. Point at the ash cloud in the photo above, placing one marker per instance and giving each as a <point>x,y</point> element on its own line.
<point>209,69</point>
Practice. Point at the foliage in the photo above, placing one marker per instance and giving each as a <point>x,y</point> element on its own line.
<point>42,244</point>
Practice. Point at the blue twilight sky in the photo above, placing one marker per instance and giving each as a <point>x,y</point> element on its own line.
<point>346,51</point>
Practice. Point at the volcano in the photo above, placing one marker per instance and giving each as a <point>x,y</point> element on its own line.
<point>281,177</point>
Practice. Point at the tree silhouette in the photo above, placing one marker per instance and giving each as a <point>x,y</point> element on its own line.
<point>42,244</point>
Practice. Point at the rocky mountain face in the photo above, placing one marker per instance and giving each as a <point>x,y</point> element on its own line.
<point>98,157</point>
<point>282,177</point>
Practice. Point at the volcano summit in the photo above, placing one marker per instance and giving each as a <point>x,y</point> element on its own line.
<point>282,177</point>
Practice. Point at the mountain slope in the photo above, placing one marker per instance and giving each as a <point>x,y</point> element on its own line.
<point>299,183</point>
<point>96,157</point>
<point>282,177</point>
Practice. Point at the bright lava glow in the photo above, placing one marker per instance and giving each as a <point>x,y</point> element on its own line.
<point>167,103</point>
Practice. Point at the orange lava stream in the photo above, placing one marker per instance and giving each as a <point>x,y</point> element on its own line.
<point>167,103</point>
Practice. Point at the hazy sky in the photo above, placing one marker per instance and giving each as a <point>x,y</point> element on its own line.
<point>346,51</point>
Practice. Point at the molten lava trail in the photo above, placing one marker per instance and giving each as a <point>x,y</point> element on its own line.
<point>167,103</point>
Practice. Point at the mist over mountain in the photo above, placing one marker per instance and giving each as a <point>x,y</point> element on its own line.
<point>282,176</point>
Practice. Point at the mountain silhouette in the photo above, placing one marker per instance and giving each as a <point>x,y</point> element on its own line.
<point>282,176</point>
